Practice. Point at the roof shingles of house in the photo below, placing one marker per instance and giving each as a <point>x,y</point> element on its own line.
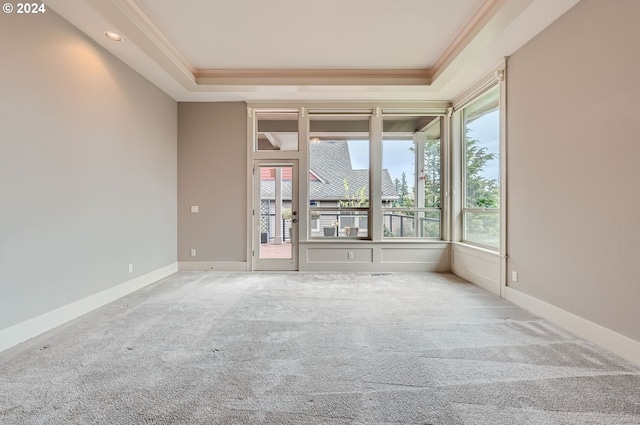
<point>330,164</point>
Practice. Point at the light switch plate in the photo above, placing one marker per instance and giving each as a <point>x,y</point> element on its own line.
<point>194,208</point>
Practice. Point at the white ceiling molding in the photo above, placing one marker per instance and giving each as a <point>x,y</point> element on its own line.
<point>470,33</point>
<point>316,77</point>
<point>137,27</point>
<point>472,52</point>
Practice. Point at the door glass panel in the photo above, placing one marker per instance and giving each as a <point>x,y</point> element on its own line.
<point>277,131</point>
<point>276,216</point>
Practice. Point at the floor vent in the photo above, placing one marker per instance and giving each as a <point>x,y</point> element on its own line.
<point>381,274</point>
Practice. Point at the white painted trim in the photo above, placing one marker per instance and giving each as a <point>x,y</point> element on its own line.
<point>303,177</point>
<point>479,87</point>
<point>226,266</point>
<point>437,256</point>
<point>504,211</point>
<point>251,150</point>
<point>455,174</point>
<point>479,276</point>
<point>469,34</point>
<point>429,107</point>
<point>619,344</point>
<point>375,176</point>
<point>445,177</point>
<point>477,251</point>
<point>373,267</point>
<point>28,329</point>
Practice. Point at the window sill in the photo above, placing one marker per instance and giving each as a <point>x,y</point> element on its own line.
<point>328,240</point>
<point>476,248</point>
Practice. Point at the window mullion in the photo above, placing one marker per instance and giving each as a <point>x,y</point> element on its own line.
<point>375,177</point>
<point>419,141</point>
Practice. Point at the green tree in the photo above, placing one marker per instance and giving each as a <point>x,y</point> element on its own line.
<point>432,185</point>
<point>406,197</point>
<point>480,191</point>
<point>357,199</point>
<point>431,174</point>
<point>405,194</point>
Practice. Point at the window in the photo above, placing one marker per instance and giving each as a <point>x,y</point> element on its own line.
<point>352,221</point>
<point>481,173</point>
<point>411,177</point>
<point>277,131</point>
<point>339,175</point>
<point>314,224</point>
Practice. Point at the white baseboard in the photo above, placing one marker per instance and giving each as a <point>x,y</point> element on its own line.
<point>33,327</point>
<point>225,266</point>
<point>619,344</point>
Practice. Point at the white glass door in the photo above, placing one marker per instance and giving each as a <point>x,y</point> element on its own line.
<point>275,215</point>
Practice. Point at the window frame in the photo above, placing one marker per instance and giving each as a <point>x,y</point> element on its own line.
<point>286,115</point>
<point>466,211</point>
<point>374,111</point>
<point>339,210</point>
<point>419,147</point>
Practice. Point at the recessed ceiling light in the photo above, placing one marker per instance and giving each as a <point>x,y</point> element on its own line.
<point>113,36</point>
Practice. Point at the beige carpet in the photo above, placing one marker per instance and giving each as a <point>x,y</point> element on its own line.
<point>301,348</point>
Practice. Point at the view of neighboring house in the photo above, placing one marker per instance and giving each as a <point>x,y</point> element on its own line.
<point>332,179</point>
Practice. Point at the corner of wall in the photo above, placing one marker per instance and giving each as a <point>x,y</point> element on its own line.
<point>28,329</point>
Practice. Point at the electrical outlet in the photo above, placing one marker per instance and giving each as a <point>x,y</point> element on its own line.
<point>350,255</point>
<point>130,268</point>
<point>193,252</point>
<point>514,276</point>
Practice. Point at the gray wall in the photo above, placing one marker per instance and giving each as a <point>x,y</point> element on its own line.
<point>87,169</point>
<point>212,174</point>
<point>573,154</point>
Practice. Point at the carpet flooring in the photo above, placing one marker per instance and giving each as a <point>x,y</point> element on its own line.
<point>314,348</point>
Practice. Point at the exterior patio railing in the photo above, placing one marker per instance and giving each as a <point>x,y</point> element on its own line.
<point>396,225</point>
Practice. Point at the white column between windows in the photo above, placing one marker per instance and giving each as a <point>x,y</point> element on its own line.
<point>375,177</point>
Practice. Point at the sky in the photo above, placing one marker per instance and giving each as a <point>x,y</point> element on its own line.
<point>486,129</point>
<point>396,156</point>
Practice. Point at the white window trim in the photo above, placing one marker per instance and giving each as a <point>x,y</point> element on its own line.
<point>375,110</point>
<point>496,76</point>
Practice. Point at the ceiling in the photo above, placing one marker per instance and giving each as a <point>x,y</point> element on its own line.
<point>339,50</point>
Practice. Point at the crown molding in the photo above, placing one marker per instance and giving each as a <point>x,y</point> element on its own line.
<point>155,34</point>
<point>316,77</point>
<point>138,26</point>
<point>497,29</point>
<point>479,21</point>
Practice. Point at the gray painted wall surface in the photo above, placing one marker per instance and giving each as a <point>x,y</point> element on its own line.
<point>212,174</point>
<point>87,169</point>
<point>573,153</point>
